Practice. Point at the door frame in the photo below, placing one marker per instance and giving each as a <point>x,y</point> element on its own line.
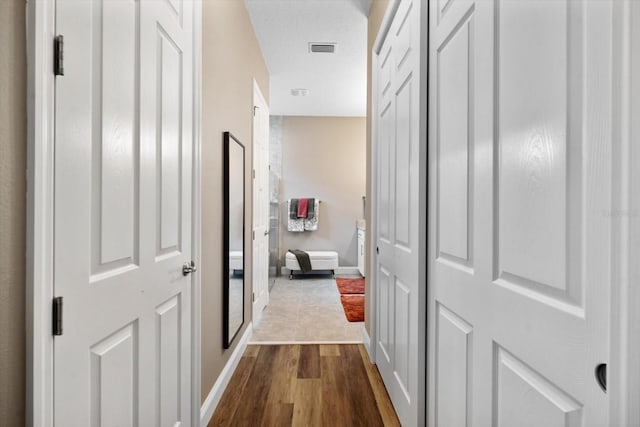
<point>40,19</point>
<point>624,376</point>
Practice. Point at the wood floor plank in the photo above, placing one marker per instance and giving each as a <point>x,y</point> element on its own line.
<point>252,401</point>
<point>226,410</point>
<point>335,401</point>
<point>329,350</point>
<point>307,406</point>
<point>282,415</point>
<point>251,351</point>
<point>385,407</point>
<point>284,368</point>
<point>309,366</point>
<point>361,399</point>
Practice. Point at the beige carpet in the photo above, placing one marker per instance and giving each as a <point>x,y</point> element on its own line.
<point>305,310</point>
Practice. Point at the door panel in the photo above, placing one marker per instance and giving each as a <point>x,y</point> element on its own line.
<point>518,184</point>
<point>403,157</point>
<point>122,214</point>
<point>113,379</point>
<point>525,398</point>
<point>535,174</point>
<point>384,173</point>
<point>454,356</point>
<point>402,337</point>
<point>115,145</point>
<point>385,308</point>
<point>169,338</point>
<point>453,158</point>
<point>169,143</point>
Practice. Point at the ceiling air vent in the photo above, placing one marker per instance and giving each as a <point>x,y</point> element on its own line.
<point>299,92</point>
<point>322,47</point>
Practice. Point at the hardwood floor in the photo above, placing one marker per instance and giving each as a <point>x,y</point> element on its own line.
<point>305,385</point>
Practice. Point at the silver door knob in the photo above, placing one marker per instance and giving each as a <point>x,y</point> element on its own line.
<point>188,268</point>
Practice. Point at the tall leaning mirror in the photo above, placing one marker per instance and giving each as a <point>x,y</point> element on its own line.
<point>233,270</point>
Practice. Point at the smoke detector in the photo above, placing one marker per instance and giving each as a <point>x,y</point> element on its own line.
<point>299,92</point>
<point>322,47</point>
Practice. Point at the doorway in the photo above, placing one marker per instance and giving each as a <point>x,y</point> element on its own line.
<point>317,154</point>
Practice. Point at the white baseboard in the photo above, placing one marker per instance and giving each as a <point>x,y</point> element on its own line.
<point>213,398</point>
<point>366,341</point>
<point>348,270</point>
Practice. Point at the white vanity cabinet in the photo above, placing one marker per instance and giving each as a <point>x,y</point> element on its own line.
<point>361,251</point>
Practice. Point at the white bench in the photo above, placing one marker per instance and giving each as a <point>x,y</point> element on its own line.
<point>236,262</point>
<point>320,260</point>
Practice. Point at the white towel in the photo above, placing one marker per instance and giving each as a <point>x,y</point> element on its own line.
<point>311,224</point>
<point>296,225</point>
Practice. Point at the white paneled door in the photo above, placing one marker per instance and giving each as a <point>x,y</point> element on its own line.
<point>520,212</point>
<point>260,204</point>
<point>123,194</point>
<point>398,214</point>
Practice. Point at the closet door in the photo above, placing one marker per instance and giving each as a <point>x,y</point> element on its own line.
<point>520,203</point>
<point>398,214</point>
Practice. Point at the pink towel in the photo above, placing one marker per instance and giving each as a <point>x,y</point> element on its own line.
<point>303,205</point>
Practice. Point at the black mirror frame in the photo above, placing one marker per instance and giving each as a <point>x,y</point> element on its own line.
<point>227,337</point>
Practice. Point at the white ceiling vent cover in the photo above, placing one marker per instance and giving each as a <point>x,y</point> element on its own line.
<point>300,92</point>
<point>322,47</point>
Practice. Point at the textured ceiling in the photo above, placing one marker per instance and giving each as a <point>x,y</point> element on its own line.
<point>336,82</point>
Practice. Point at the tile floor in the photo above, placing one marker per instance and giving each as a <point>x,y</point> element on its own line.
<point>305,310</point>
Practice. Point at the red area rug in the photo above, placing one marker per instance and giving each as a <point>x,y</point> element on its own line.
<point>353,307</point>
<point>352,297</point>
<point>350,286</point>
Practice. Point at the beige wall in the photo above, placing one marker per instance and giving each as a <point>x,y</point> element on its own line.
<point>376,13</point>
<point>231,59</point>
<point>324,157</point>
<point>13,151</point>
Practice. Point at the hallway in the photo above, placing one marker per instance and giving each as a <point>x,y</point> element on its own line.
<point>305,385</point>
<point>489,146</point>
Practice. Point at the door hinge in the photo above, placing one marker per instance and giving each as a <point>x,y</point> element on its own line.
<point>253,174</point>
<point>56,329</point>
<point>253,235</point>
<point>58,56</point>
<point>254,296</point>
<point>255,107</point>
